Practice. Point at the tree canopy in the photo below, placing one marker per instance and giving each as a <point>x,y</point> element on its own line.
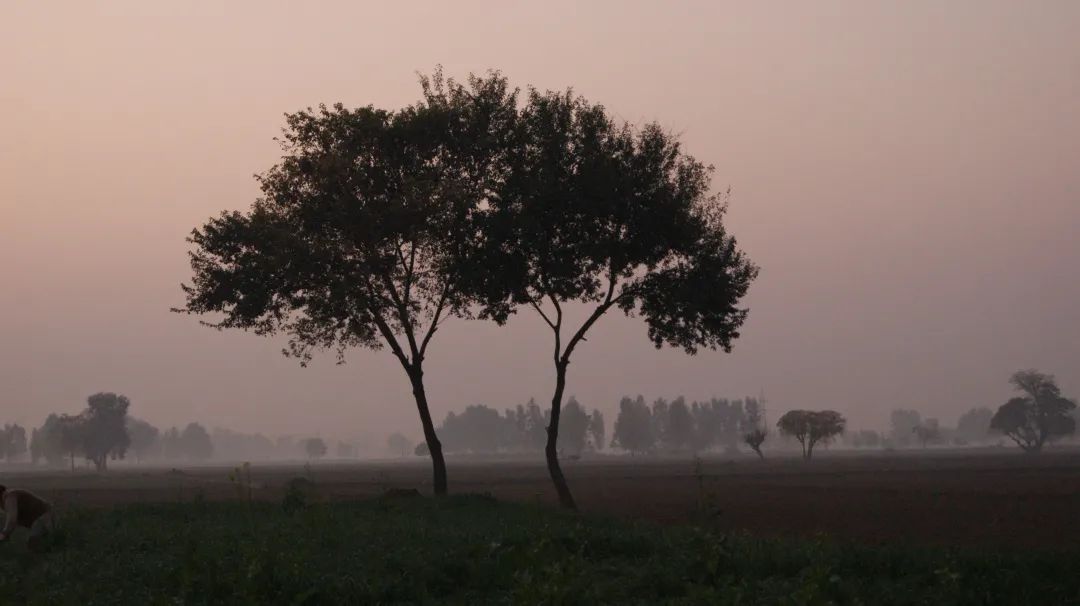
<point>811,426</point>
<point>604,214</point>
<point>362,235</point>
<point>1037,416</point>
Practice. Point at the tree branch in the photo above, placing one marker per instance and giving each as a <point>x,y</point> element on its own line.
<point>435,318</point>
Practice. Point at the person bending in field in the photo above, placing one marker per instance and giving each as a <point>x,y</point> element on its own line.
<point>26,509</point>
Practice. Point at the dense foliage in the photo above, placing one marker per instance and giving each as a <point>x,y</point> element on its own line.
<point>471,550</point>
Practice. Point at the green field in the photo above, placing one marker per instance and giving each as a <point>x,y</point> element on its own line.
<point>476,550</point>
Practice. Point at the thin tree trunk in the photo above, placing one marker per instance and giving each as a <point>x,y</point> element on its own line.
<point>438,463</point>
<point>565,498</point>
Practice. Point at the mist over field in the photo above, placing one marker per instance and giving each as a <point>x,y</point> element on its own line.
<point>904,175</point>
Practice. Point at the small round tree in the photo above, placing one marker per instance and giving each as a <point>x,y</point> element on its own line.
<point>811,426</point>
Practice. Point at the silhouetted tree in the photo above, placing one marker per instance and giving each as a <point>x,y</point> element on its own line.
<point>56,439</point>
<point>974,425</point>
<point>902,425</point>
<point>398,444</point>
<point>599,213</point>
<point>754,432</point>
<point>596,430</point>
<point>1039,415</point>
<point>12,442</point>
<point>477,429</point>
<point>810,427</point>
<point>104,428</point>
<point>70,435</point>
<point>145,442</point>
<point>633,429</point>
<point>315,448</point>
<point>362,233</point>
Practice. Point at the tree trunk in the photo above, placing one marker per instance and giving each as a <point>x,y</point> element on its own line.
<point>438,463</point>
<point>565,498</point>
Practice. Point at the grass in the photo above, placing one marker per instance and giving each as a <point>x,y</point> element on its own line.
<point>473,550</point>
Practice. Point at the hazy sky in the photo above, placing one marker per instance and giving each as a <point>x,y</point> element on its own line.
<point>907,174</point>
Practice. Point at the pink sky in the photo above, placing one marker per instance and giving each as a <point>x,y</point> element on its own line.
<point>907,174</point>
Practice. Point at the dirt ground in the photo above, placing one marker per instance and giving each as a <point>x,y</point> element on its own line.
<point>992,499</point>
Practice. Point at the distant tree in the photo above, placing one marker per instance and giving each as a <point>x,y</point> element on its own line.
<point>315,448</point>
<point>285,447</point>
<point>754,439</point>
<point>534,423</point>
<point>596,430</point>
<point>574,427</point>
<point>477,429</point>
<point>171,447</point>
<point>104,428</point>
<point>597,212</point>
<point>902,425</point>
<point>810,427</point>
<point>70,435</point>
<point>195,443</point>
<point>232,445</point>
<point>13,442</point>
<point>633,429</point>
<point>866,438</point>
<point>974,425</point>
<point>680,426</point>
<point>346,450</point>
<point>145,439</point>
<point>660,419</point>
<point>927,432</point>
<point>360,238</point>
<point>36,446</point>
<point>421,450</point>
<point>754,431</point>
<point>398,444</point>
<point>1039,415</point>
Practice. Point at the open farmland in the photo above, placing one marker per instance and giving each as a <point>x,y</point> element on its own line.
<point>948,498</point>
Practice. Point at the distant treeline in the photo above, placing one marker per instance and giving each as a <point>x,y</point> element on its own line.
<point>105,431</point>
<point>480,429</point>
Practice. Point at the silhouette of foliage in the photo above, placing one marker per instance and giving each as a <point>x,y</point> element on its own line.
<point>1039,415</point>
<point>810,427</point>
<point>600,213</point>
<point>103,428</point>
<point>361,235</point>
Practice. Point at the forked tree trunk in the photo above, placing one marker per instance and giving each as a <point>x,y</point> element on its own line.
<point>438,463</point>
<point>551,451</point>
